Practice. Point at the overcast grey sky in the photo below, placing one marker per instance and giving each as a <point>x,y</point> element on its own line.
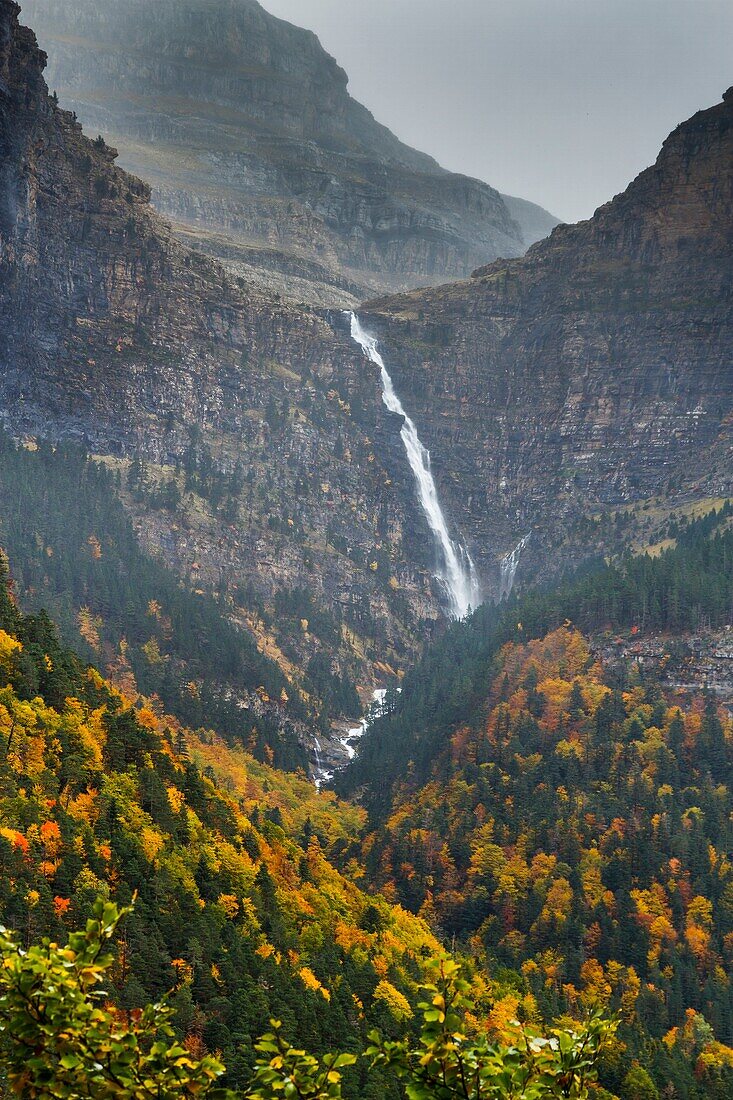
<point>559,101</point>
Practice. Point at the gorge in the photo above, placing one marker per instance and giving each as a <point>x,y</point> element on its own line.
<point>360,661</point>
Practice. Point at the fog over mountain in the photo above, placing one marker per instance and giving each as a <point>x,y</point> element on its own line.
<point>243,125</point>
<point>562,103</point>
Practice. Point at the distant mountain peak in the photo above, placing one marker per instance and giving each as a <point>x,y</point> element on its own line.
<point>255,149</point>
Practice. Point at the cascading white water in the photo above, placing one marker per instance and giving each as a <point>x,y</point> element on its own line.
<point>351,738</point>
<point>457,571</point>
<point>321,775</point>
<point>509,565</point>
<point>355,734</point>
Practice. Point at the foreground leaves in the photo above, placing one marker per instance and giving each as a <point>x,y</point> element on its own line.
<point>60,1038</point>
<point>284,1071</point>
<point>448,1064</point>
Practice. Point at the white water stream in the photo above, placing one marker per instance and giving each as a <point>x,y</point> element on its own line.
<point>509,566</point>
<point>456,571</point>
<point>352,737</point>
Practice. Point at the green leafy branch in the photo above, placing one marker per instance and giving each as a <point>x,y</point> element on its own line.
<point>61,1039</point>
<point>447,1064</point>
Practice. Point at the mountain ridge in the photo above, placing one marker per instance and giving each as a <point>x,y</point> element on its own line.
<point>605,350</point>
<point>245,127</point>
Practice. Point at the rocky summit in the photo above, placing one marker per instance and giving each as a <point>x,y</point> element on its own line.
<point>558,391</point>
<point>255,150</point>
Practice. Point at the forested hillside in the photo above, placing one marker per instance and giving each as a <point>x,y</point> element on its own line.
<point>235,915</point>
<point>76,554</point>
<point>238,910</point>
<point>570,820</point>
<point>686,587</point>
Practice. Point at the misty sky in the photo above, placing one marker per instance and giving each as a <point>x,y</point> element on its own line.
<point>559,101</point>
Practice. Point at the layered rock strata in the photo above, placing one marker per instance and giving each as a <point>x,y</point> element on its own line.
<point>593,372</point>
<point>244,126</point>
<point>115,335</point>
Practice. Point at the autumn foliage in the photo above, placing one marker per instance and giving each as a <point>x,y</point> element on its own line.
<point>578,832</point>
<point>240,913</point>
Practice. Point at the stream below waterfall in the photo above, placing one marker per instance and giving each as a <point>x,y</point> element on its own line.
<point>351,737</point>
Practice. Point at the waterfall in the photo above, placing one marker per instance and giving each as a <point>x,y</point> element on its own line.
<point>321,775</point>
<point>509,565</point>
<point>355,734</point>
<point>456,572</point>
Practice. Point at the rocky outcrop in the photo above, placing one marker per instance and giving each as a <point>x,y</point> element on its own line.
<point>114,334</point>
<point>687,664</point>
<point>244,127</point>
<point>594,372</point>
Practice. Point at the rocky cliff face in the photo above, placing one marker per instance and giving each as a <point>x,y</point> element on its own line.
<point>554,391</point>
<point>592,373</point>
<point>244,127</point>
<point>115,334</point>
<point>700,663</point>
